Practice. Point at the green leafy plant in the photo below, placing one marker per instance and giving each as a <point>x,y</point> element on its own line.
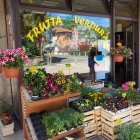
<point>129,132</point>
<point>61,120</point>
<point>30,47</point>
<point>53,124</point>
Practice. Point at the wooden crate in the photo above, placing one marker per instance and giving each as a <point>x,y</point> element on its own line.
<point>136,114</point>
<point>109,124</point>
<point>90,124</point>
<point>97,112</point>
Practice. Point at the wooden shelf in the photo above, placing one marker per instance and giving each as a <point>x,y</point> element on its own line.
<point>50,104</point>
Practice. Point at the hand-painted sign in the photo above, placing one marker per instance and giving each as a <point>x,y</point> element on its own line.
<point>52,21</point>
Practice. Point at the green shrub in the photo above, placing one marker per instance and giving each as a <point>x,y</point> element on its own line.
<point>129,132</point>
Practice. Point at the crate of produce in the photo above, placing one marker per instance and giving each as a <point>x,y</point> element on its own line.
<point>111,121</point>
<point>136,114</point>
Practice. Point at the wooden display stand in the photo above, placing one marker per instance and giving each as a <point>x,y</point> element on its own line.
<point>52,104</point>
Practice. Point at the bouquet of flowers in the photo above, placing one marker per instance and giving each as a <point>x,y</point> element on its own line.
<point>121,51</point>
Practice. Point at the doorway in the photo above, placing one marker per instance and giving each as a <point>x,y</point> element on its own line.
<point>125,33</point>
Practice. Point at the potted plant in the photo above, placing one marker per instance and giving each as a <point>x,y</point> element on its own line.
<point>12,60</point>
<point>62,121</point>
<point>35,81</point>
<point>83,105</point>
<point>119,52</point>
<point>6,122</point>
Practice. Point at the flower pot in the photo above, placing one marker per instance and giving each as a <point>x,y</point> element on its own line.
<point>118,58</point>
<point>11,72</point>
<point>7,129</point>
<point>0,69</point>
<point>99,57</point>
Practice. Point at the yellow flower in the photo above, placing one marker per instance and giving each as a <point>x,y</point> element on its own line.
<point>51,132</point>
<point>87,102</point>
<point>61,72</point>
<point>63,81</point>
<point>124,94</point>
<point>59,82</point>
<point>132,83</point>
<point>119,44</point>
<point>119,122</point>
<point>33,69</point>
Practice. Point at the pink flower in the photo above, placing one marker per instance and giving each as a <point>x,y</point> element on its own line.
<point>3,63</point>
<point>125,86</point>
<point>12,59</point>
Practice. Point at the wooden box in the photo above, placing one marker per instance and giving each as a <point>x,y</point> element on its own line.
<point>90,124</point>
<point>110,121</point>
<point>136,114</point>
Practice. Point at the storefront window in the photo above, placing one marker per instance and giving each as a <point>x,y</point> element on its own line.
<point>66,39</point>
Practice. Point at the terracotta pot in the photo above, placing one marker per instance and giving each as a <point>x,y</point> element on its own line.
<point>118,58</point>
<point>11,72</point>
<point>0,69</point>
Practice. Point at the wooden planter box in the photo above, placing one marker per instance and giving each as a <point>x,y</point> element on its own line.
<point>109,125</point>
<point>77,131</point>
<point>7,129</point>
<point>90,124</point>
<point>136,114</point>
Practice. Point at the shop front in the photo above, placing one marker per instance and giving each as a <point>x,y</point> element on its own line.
<point>79,53</point>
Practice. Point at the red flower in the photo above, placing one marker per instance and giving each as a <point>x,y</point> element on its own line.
<point>30,88</point>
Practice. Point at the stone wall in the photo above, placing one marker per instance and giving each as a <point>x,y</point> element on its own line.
<point>5,93</point>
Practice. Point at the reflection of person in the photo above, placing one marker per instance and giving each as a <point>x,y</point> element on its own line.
<point>92,62</point>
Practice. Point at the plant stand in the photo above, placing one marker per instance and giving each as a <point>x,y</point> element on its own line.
<point>7,129</point>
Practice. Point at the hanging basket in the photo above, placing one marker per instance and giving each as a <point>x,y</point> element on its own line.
<point>11,72</point>
<point>99,57</point>
<point>0,69</point>
<point>118,58</point>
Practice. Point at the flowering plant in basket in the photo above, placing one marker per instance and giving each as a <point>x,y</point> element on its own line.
<point>11,60</point>
<point>120,50</point>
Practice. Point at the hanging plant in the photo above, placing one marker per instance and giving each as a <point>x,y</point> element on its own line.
<point>12,60</point>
